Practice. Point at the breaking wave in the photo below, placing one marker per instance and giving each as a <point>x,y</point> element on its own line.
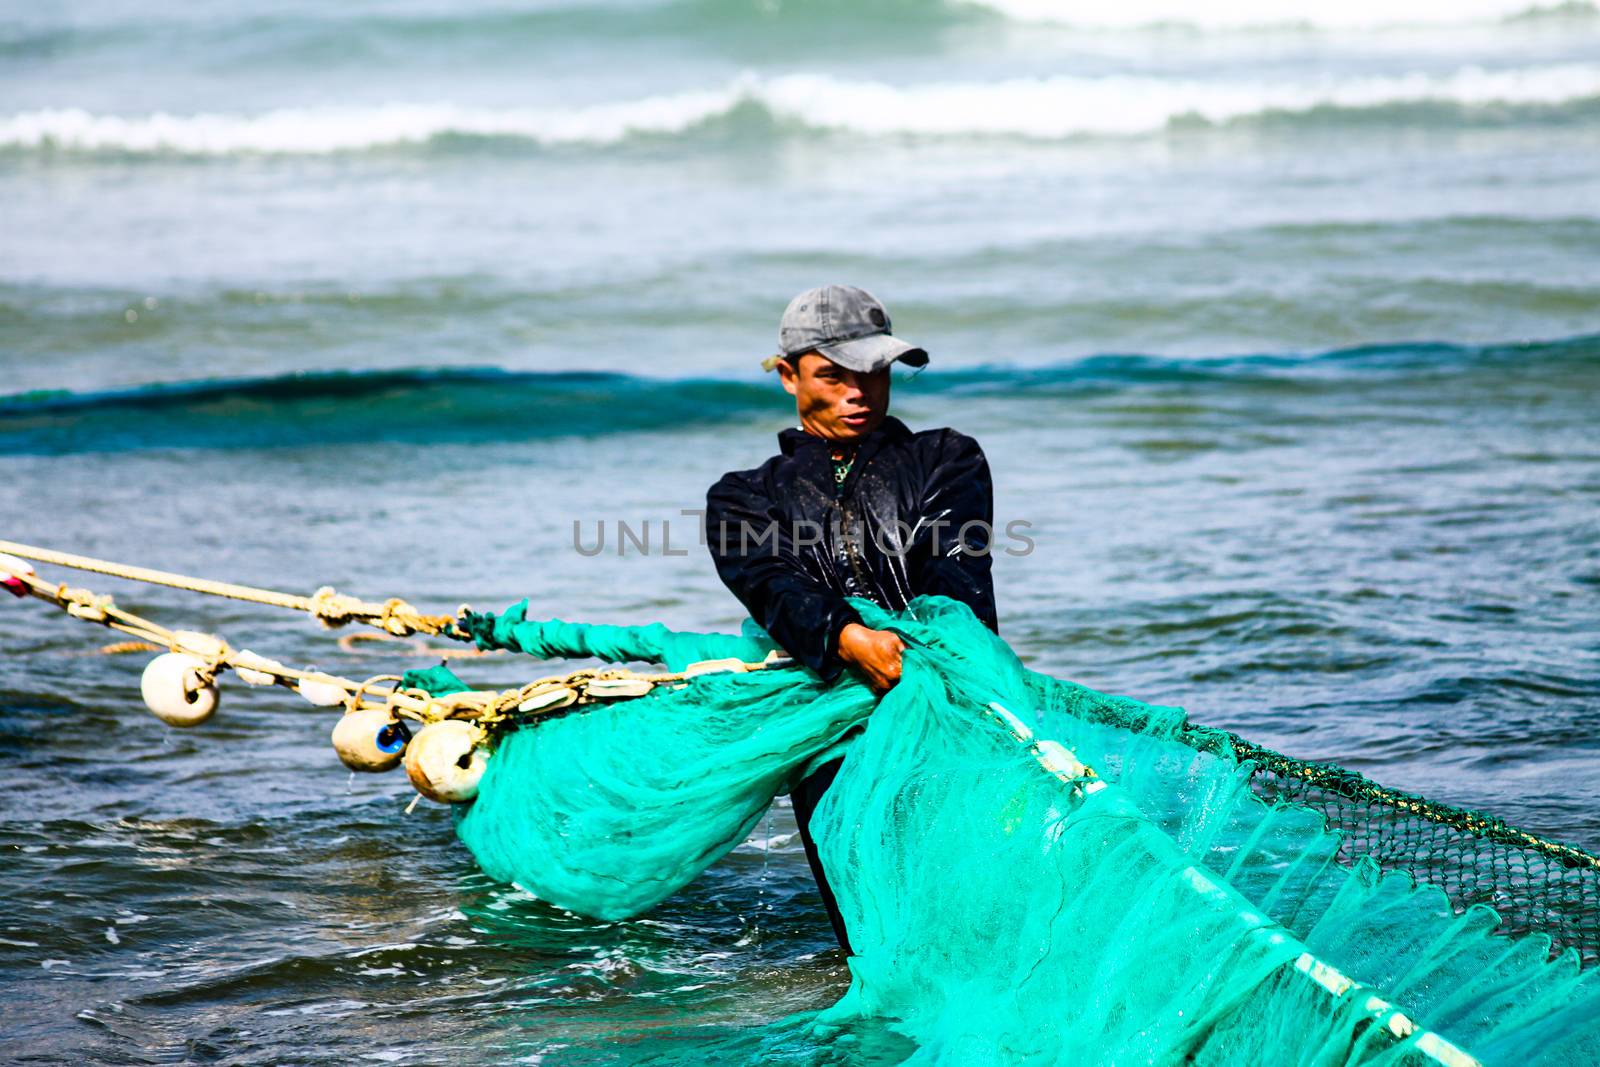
<point>1256,14</point>
<point>1053,108</point>
<point>44,33</point>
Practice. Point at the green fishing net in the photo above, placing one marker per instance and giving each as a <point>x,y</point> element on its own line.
<point>1032,872</point>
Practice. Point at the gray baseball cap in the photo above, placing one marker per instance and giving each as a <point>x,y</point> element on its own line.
<point>845,324</point>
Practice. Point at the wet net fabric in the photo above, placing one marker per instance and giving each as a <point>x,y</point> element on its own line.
<point>651,643</point>
<point>1031,871</point>
<point>607,812</point>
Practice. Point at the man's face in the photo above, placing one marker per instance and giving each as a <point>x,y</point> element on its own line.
<point>835,403</point>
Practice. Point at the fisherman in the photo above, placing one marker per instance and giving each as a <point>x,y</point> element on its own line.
<point>855,504</point>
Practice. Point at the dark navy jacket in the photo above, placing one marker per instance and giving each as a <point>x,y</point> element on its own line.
<point>791,545</point>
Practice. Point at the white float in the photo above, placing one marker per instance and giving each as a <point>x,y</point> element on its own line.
<point>173,688</point>
<point>618,688</point>
<point>715,666</point>
<point>322,694</point>
<point>200,644</point>
<point>444,761</point>
<point>256,670</point>
<point>549,700</point>
<point>370,740</point>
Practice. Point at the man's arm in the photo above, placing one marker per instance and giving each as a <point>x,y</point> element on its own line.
<point>755,557</point>
<point>952,550</point>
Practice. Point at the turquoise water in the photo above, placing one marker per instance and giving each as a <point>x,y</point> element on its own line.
<point>1281,332</point>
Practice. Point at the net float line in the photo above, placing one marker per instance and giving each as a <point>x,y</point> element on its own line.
<point>487,707</point>
<point>446,756</point>
<point>350,643</point>
<point>212,653</point>
<point>328,606</point>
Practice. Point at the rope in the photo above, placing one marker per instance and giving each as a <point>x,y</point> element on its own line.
<point>413,646</point>
<point>493,711</point>
<point>118,648</point>
<point>326,605</point>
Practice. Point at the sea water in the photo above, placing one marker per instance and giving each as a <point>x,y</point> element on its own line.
<point>1280,326</point>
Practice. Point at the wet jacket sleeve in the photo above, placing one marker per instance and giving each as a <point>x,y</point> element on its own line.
<point>756,559</point>
<point>956,528</point>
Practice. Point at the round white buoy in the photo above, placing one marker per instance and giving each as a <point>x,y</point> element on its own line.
<point>370,740</point>
<point>444,761</point>
<point>173,689</point>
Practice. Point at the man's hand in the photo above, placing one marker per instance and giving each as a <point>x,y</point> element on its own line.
<point>875,653</point>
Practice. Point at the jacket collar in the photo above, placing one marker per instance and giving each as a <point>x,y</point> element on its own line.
<point>794,440</point>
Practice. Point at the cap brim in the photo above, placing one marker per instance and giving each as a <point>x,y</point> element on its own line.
<point>865,355</point>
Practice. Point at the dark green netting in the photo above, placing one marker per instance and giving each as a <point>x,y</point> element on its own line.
<point>1005,908</point>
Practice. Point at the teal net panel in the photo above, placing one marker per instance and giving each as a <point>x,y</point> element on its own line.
<point>1035,872</point>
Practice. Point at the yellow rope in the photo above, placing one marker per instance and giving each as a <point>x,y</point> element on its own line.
<point>413,646</point>
<point>118,648</point>
<point>329,607</point>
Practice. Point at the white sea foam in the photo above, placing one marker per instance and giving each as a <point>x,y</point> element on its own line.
<point>1042,108</point>
<point>324,130</point>
<point>1249,14</point>
<point>1050,108</point>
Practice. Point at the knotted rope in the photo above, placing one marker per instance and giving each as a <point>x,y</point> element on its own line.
<point>490,710</point>
<point>329,607</point>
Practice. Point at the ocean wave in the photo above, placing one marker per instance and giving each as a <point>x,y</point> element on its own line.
<point>45,34</point>
<point>1263,14</point>
<point>319,131</point>
<point>479,405</point>
<point>347,407</point>
<point>1051,108</point>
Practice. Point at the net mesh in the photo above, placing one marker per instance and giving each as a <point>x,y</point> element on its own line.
<point>1536,885</point>
<point>1035,872</point>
